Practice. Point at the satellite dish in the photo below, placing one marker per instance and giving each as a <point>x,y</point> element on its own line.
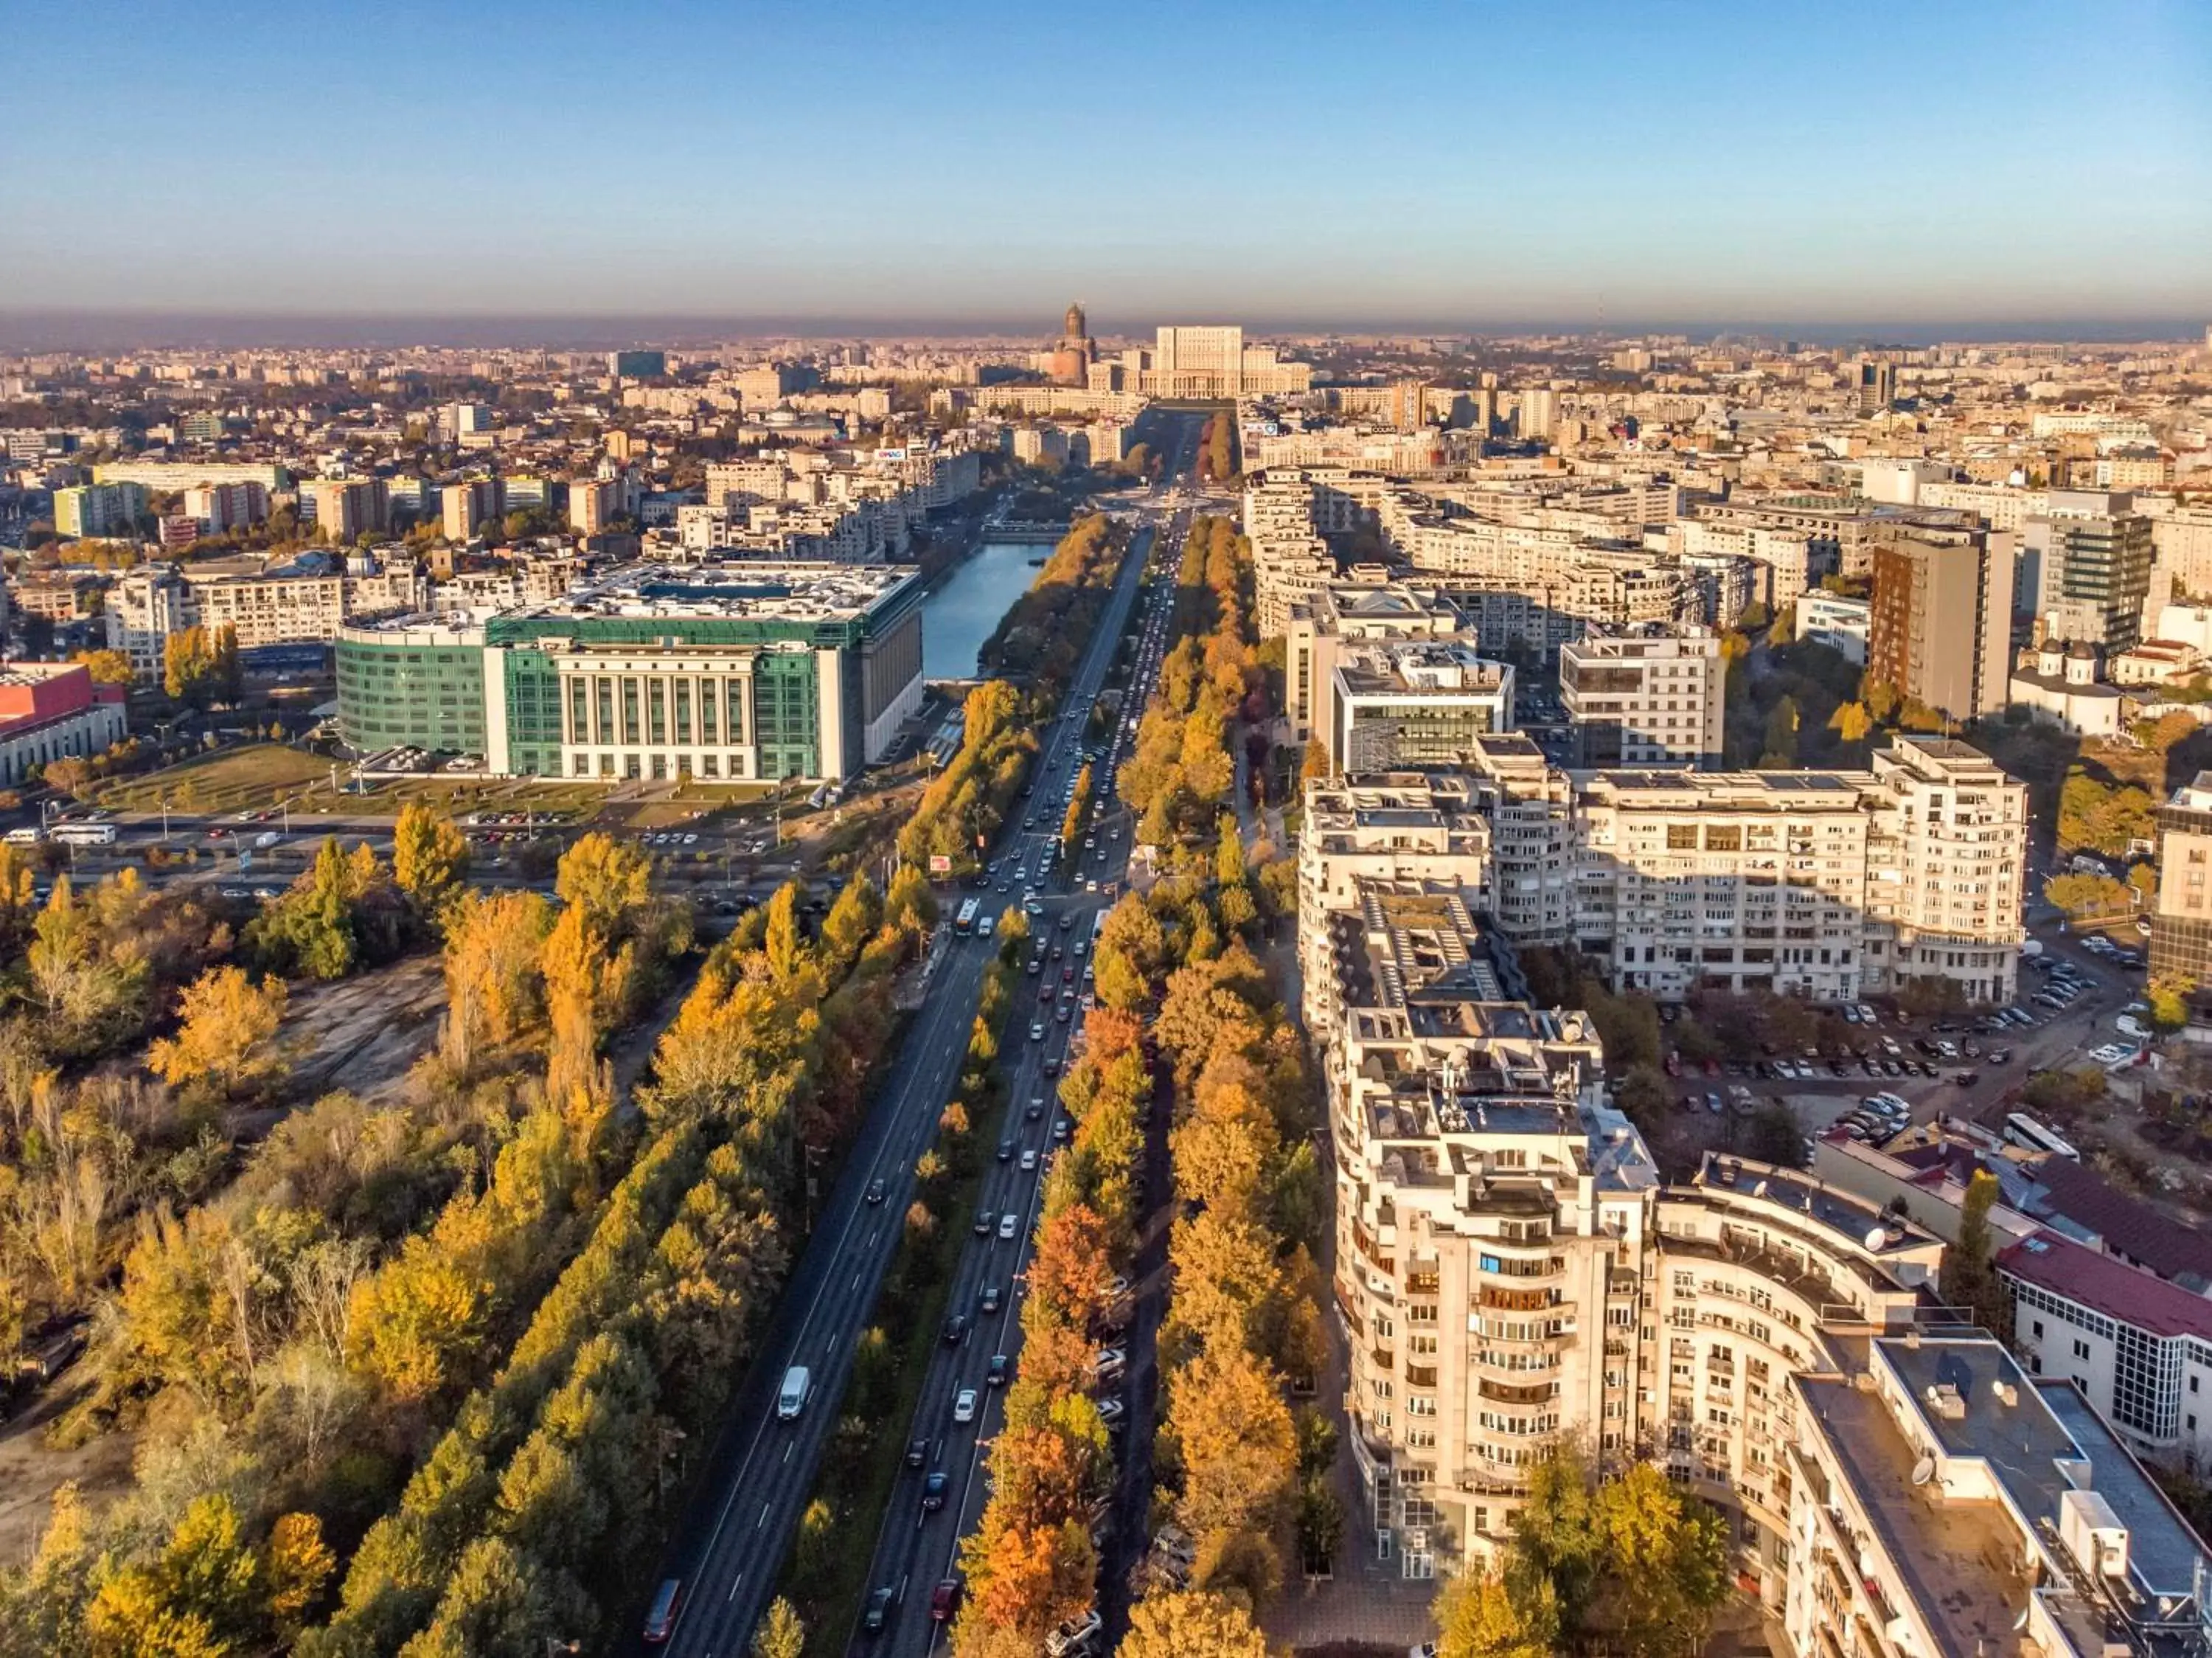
<point>1923,1470</point>
<point>1877,1237</point>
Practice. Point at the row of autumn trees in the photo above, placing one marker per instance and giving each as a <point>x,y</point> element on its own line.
<point>1042,635</point>
<point>489,1279</point>
<point>1179,775</point>
<point>961,811</point>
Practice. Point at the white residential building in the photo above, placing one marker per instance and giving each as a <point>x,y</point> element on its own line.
<point>1648,695</point>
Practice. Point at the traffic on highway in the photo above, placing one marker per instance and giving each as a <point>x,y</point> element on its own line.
<point>730,1551</point>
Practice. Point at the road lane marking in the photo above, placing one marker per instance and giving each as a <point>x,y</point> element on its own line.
<point>763,1521</point>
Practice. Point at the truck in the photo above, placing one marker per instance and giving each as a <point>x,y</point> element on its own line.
<point>792,1399</point>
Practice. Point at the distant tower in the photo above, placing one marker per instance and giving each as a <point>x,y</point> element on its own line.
<point>1074,328</point>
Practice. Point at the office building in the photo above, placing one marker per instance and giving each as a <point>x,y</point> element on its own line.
<point>1872,384</point>
<point>100,510</point>
<point>1940,631</point>
<point>637,364</point>
<point>1645,695</point>
<point>2090,560</point>
<point>1843,623</point>
<point>733,671</point>
<point>2181,913</point>
<point>1413,703</point>
<point>53,711</point>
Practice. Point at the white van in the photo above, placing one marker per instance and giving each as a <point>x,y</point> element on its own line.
<point>28,835</point>
<point>792,1399</point>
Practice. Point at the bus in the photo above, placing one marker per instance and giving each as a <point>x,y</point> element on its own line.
<point>964,923</point>
<point>2022,1130</point>
<point>84,834</point>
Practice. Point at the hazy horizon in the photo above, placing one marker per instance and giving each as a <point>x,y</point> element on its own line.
<point>58,330</point>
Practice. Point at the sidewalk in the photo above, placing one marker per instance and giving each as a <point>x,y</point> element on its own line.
<point>1366,1600</point>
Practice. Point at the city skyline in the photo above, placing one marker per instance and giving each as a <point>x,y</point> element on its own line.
<point>1707,168</point>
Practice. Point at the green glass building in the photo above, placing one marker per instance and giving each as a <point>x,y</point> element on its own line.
<point>730,673</point>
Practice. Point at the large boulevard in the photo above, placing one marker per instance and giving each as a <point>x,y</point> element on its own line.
<point>730,1550</point>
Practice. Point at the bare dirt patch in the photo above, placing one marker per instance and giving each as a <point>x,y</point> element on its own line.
<point>362,1033</point>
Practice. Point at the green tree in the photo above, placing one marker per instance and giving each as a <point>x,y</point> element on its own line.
<point>1480,1615</point>
<point>1781,752</point>
<point>781,1634</point>
<point>187,664</point>
<point>429,856</point>
<point>1851,721</point>
<point>2088,897</point>
<point>1666,1560</point>
<point>1229,852</point>
<point>1968,1277</point>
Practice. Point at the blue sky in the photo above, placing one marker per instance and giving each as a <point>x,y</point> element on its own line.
<point>1492,161</point>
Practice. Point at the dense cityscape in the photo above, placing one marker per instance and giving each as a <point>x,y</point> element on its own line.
<point>1037,979</point>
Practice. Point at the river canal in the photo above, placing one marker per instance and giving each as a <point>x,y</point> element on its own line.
<point>967,609</point>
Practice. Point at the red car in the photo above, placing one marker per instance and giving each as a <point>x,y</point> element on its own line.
<point>944,1600</point>
<point>660,1621</point>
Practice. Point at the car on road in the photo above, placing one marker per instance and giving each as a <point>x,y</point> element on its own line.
<point>1037,1030</point>
<point>1029,1158</point>
<point>1009,1223</point>
<point>989,1300</point>
<point>917,1452</point>
<point>877,1617</point>
<point>963,1405</point>
<point>1000,1371</point>
<point>1713,1104</point>
<point>1006,1149</point>
<point>944,1600</point>
<point>1036,1107</point>
<point>933,1489</point>
<point>985,1220</point>
<point>877,1191</point>
<point>955,1329</point>
<point>660,1617</point>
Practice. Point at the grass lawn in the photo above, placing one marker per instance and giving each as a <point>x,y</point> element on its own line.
<point>229,780</point>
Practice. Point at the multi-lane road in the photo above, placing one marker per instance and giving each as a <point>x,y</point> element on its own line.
<point>918,1548</point>
<point>762,1470</point>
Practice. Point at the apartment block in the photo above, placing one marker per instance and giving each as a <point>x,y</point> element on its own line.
<point>144,608</point>
<point>100,510</point>
<point>218,508</point>
<point>1843,623</point>
<point>466,507</point>
<point>1650,694</point>
<point>347,508</point>
<point>1944,1501</point>
<point>2181,913</point>
<point>1511,1269</point>
<point>1491,1216</point>
<point>1751,881</point>
<point>1941,626</point>
<point>1946,860</point>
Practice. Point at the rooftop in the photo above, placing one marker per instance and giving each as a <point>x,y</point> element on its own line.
<point>751,589</point>
<point>2096,1280</point>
